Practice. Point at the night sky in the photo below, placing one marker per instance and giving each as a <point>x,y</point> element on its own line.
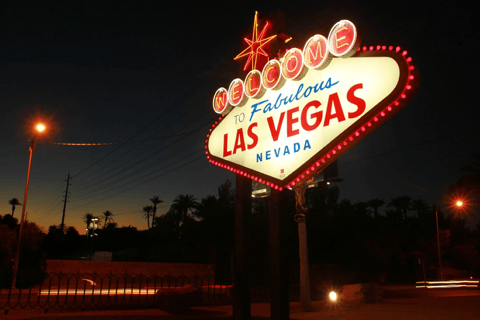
<point>145,74</point>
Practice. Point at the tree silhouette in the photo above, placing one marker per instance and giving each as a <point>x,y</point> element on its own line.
<point>375,204</point>
<point>182,204</point>
<point>14,202</point>
<point>155,200</point>
<point>401,204</point>
<point>218,216</point>
<point>148,210</point>
<point>420,206</point>
<point>87,218</point>
<point>361,208</point>
<point>108,218</point>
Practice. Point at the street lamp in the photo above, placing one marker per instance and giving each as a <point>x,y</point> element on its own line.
<point>94,227</point>
<point>458,205</point>
<point>40,128</point>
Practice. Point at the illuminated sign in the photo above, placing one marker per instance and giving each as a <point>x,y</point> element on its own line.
<point>256,45</point>
<point>302,119</point>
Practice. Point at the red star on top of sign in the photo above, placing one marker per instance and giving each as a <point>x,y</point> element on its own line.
<point>255,45</point>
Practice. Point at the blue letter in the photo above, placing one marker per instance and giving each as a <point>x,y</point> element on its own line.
<point>296,147</point>
<point>276,102</point>
<point>259,157</point>
<point>268,107</point>
<point>300,87</point>
<point>267,155</point>
<point>286,151</point>
<point>255,109</point>
<point>329,84</point>
<point>309,90</point>
<point>277,152</point>
<point>307,145</point>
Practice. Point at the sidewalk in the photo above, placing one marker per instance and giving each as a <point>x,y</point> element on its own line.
<point>439,308</point>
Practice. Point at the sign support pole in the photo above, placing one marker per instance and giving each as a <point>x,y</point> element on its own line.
<point>300,218</point>
<point>243,217</point>
<point>279,304</point>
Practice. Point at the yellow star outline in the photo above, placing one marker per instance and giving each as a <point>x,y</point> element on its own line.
<point>255,45</point>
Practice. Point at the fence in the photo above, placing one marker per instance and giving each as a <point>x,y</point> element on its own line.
<point>88,291</point>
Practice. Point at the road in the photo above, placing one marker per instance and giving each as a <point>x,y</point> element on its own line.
<point>401,303</point>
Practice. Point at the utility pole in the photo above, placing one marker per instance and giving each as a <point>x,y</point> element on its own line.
<point>31,150</point>
<point>65,203</point>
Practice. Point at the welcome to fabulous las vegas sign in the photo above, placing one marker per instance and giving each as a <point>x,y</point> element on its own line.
<point>282,125</point>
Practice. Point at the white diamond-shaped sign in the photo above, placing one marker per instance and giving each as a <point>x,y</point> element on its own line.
<point>286,135</point>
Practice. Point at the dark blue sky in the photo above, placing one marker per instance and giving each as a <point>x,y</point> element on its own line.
<point>120,71</point>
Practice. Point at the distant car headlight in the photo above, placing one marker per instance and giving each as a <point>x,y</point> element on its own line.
<point>333,296</point>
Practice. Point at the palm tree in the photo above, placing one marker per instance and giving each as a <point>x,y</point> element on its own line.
<point>182,204</point>
<point>14,202</point>
<point>401,204</point>
<point>148,210</point>
<point>155,200</point>
<point>87,218</point>
<point>375,204</point>
<point>420,206</point>
<point>108,217</point>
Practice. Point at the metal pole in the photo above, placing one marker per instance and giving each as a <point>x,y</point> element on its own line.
<point>65,204</point>
<point>17,255</point>
<point>300,218</point>
<point>86,244</point>
<point>438,243</point>
<point>91,244</point>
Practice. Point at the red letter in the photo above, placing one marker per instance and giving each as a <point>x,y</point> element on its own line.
<point>226,153</point>
<point>239,141</point>
<point>291,121</point>
<point>333,99</point>
<point>268,71</point>
<point>235,92</point>
<point>337,39</point>
<point>252,88</point>
<point>275,132</point>
<point>355,100</point>
<point>312,53</point>
<point>252,136</point>
<point>317,116</point>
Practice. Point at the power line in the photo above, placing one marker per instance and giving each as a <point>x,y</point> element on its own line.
<point>135,186</point>
<point>106,179</point>
<point>149,174</point>
<point>124,154</point>
<point>136,156</point>
<point>86,193</point>
<point>112,143</point>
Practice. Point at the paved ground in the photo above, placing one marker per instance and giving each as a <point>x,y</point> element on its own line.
<point>401,304</point>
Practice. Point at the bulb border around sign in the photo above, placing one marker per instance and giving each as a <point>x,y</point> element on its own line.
<point>402,94</point>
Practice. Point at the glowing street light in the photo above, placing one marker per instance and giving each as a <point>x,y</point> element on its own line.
<point>40,128</point>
